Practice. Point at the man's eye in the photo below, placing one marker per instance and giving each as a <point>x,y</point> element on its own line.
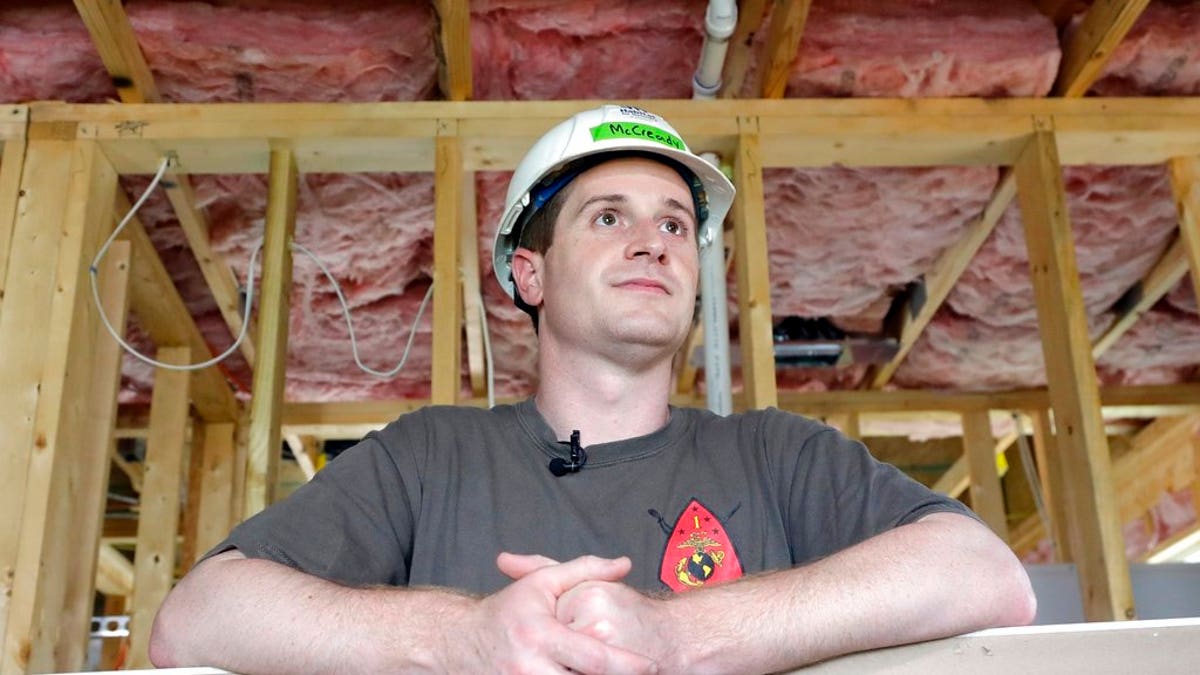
<point>606,219</point>
<point>674,227</point>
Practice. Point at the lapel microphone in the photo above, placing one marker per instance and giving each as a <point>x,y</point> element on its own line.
<point>561,467</point>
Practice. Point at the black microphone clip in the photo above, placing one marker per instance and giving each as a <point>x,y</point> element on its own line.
<point>561,467</point>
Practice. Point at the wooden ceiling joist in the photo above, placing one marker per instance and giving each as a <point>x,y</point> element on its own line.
<point>737,58</point>
<point>783,42</point>
<point>454,49</point>
<point>357,137</point>
<point>1091,45</point>
<point>1161,278</point>
<point>114,39</point>
<point>1185,183</point>
<point>165,318</point>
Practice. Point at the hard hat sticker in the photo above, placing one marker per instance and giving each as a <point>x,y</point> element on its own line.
<point>611,130</point>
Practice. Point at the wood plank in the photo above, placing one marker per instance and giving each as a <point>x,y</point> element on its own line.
<point>1159,281</point>
<point>88,473</point>
<point>454,49</point>
<point>755,321</point>
<point>215,493</point>
<point>11,163</point>
<point>940,279</point>
<point>1053,482</point>
<point>1089,48</point>
<point>217,273</point>
<point>114,572</point>
<point>737,59</point>
<point>158,518</point>
<point>987,500</point>
<point>344,137</point>
<point>447,305</point>
<point>48,300</point>
<point>1096,538</point>
<point>163,315</point>
<point>262,466</point>
<point>783,41</point>
<point>190,517</point>
<point>957,479</point>
<point>1185,185</point>
<point>113,37</point>
<point>472,298</point>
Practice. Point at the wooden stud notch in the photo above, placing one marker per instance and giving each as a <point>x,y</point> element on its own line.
<point>1096,540</point>
<point>266,405</point>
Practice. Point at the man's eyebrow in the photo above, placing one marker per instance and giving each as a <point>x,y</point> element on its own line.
<point>611,199</point>
<point>676,204</point>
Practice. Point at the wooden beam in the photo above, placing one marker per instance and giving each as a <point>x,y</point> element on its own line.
<point>1096,539</point>
<point>11,163</point>
<point>217,274</point>
<point>303,459</point>
<point>132,470</point>
<point>783,41</point>
<point>158,519</point>
<point>737,58</point>
<point>114,572</point>
<point>163,315</point>
<point>1091,45</point>
<point>266,404</point>
<point>350,137</point>
<point>113,37</point>
<point>755,323</point>
<point>88,474</point>
<point>454,49</point>
<point>940,279</point>
<point>216,494</point>
<point>44,404</point>
<point>447,298</point>
<point>987,500</point>
<point>472,298</point>
<point>1053,483</point>
<point>1185,184</point>
<point>1159,281</point>
<point>957,479</point>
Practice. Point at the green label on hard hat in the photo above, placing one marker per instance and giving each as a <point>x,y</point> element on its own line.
<point>610,130</point>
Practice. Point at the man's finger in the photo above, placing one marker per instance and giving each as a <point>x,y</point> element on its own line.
<point>560,578</point>
<point>516,565</point>
<point>585,654</point>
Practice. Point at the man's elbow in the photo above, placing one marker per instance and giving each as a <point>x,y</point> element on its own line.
<point>1021,604</point>
<point>164,636</point>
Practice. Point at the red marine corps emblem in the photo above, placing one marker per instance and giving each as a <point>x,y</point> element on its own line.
<point>699,551</point>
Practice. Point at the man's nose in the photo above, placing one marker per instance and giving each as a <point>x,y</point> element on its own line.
<point>645,239</point>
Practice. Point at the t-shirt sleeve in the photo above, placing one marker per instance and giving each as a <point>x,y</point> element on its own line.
<point>351,524</point>
<point>839,495</point>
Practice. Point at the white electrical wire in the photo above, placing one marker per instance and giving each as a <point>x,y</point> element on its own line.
<point>487,351</point>
<point>93,271</point>
<point>249,303</point>
<point>412,334</point>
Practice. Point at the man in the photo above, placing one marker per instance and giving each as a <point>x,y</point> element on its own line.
<point>597,528</point>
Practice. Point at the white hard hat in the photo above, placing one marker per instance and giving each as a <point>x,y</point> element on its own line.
<point>605,130</point>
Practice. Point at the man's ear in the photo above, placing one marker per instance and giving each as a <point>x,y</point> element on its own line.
<point>527,271</point>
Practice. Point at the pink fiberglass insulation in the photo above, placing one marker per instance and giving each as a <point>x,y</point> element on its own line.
<point>881,48</point>
<point>46,53</point>
<point>1122,219</point>
<point>843,240</point>
<point>288,50</point>
<point>1159,56</point>
<point>544,49</point>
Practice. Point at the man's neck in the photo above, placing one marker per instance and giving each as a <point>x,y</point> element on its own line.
<point>603,400</point>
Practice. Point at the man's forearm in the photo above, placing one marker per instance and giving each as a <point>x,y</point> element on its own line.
<point>256,616</point>
<point>945,575</point>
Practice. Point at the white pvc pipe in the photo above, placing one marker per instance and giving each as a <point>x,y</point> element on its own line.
<point>720,20</point>
<point>715,314</point>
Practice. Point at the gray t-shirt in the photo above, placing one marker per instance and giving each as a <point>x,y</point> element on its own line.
<point>436,495</point>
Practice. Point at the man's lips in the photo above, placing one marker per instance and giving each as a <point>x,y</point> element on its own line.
<point>644,284</point>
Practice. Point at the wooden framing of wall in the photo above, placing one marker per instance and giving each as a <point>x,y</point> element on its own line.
<point>452,139</point>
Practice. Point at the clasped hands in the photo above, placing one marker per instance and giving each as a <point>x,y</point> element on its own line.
<point>571,616</point>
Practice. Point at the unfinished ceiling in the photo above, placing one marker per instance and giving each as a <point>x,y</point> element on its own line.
<point>843,241</point>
